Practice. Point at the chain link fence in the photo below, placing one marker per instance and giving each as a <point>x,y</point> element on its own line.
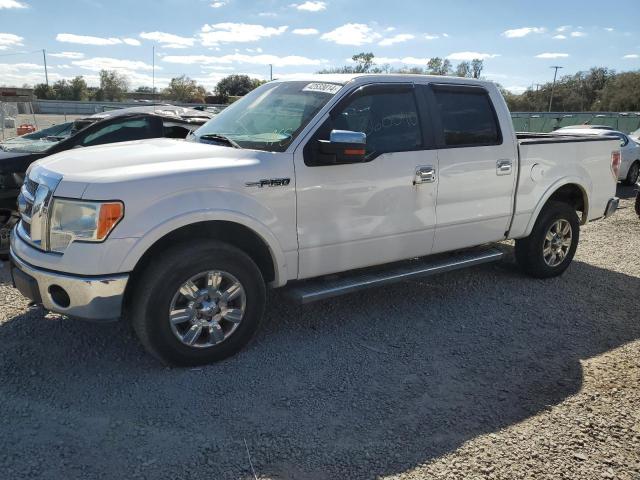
<point>14,114</point>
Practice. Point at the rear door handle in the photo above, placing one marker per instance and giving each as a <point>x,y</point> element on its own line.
<point>426,174</point>
<point>504,167</point>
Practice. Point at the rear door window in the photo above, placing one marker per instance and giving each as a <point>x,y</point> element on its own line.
<point>123,131</point>
<point>466,116</point>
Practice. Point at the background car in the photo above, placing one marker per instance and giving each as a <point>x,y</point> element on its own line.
<point>117,126</point>
<point>629,149</point>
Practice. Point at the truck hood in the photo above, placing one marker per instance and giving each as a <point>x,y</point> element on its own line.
<point>143,159</point>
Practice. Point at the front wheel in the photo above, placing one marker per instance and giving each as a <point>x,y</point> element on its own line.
<point>549,249</point>
<point>199,303</point>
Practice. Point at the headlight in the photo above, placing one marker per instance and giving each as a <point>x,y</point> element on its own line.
<point>77,220</point>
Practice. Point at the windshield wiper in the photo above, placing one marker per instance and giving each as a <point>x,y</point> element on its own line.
<point>216,137</point>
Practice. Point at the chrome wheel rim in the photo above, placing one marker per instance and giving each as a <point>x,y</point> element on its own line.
<point>557,243</point>
<point>207,309</point>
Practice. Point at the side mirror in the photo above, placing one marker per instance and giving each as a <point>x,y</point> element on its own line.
<point>343,146</point>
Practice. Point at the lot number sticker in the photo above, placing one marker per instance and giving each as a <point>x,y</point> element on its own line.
<point>330,88</point>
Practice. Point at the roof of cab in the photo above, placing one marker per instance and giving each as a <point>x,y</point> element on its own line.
<point>344,78</point>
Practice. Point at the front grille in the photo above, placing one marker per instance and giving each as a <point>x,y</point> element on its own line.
<point>33,203</point>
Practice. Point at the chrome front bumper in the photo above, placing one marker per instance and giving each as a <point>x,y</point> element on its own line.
<point>91,298</point>
<point>612,206</point>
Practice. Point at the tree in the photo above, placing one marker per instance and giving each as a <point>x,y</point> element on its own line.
<point>438,66</point>
<point>477,65</point>
<point>237,85</point>
<point>363,61</point>
<point>184,89</point>
<point>44,92</point>
<point>463,69</point>
<point>622,93</point>
<point>78,88</point>
<point>144,89</point>
<point>113,86</point>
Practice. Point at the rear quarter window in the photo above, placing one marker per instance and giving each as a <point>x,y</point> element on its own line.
<point>467,117</point>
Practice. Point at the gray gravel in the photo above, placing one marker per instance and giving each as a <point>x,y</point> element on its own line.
<point>483,373</point>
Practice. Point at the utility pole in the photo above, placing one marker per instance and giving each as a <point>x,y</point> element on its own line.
<point>46,74</point>
<point>553,85</point>
<point>270,71</point>
<point>153,72</point>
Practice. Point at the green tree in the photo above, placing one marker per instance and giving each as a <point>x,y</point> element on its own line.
<point>363,61</point>
<point>237,85</point>
<point>44,92</point>
<point>477,65</point>
<point>463,69</point>
<point>438,66</point>
<point>622,93</point>
<point>184,89</point>
<point>113,86</point>
<point>145,89</point>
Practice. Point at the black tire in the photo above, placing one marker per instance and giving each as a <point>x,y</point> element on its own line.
<point>633,174</point>
<point>157,287</point>
<point>530,250</point>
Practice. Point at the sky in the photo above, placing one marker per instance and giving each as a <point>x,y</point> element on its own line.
<point>208,39</point>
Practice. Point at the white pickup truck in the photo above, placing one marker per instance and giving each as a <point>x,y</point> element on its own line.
<point>369,178</point>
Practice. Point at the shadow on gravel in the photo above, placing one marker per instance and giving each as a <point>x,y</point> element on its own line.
<point>361,386</point>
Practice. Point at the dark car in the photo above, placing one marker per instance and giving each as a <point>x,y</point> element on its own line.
<point>136,125</point>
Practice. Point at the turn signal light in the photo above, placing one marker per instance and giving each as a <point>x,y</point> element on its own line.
<point>110,214</point>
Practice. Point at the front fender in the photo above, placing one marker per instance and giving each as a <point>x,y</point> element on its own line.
<point>171,224</point>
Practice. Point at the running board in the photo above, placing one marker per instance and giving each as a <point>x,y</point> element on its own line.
<point>308,291</point>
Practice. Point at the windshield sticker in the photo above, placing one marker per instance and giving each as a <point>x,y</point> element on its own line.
<point>330,88</point>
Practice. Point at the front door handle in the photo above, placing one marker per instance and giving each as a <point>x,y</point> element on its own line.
<point>504,167</point>
<point>425,174</point>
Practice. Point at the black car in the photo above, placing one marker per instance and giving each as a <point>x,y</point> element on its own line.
<point>113,128</point>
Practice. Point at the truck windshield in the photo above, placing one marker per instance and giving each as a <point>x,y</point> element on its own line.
<point>269,118</point>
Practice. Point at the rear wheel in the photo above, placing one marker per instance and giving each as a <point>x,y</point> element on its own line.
<point>549,249</point>
<point>633,174</point>
<point>200,303</point>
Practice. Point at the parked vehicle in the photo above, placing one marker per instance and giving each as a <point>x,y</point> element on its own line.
<point>40,140</point>
<point>112,127</point>
<point>323,185</point>
<point>629,148</point>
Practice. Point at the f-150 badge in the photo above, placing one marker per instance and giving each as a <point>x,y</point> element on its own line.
<point>270,182</point>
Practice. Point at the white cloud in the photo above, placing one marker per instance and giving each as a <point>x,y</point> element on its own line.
<point>632,56</point>
<point>578,34</point>
<point>168,40</point>
<point>517,89</point>
<point>305,31</point>
<point>466,56</point>
<point>12,4</point>
<point>261,59</point>
<point>267,14</point>
<point>311,6</point>
<point>70,55</point>
<point>401,37</point>
<point>132,41</point>
<point>563,28</point>
<point>432,36</point>
<point>560,37</point>
<point>218,4</point>
<point>8,40</point>
<point>522,32</point>
<point>552,55</point>
<point>352,34</point>
<point>105,63</point>
<point>609,29</point>
<point>228,32</point>
<point>87,39</point>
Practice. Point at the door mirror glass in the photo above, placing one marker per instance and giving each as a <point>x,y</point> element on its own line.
<point>343,146</point>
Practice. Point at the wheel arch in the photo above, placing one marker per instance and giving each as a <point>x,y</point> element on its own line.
<point>246,234</point>
<point>568,191</point>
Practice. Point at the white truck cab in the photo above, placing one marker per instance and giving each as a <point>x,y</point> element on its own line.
<point>368,177</point>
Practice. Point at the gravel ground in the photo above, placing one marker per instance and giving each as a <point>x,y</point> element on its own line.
<point>482,373</point>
